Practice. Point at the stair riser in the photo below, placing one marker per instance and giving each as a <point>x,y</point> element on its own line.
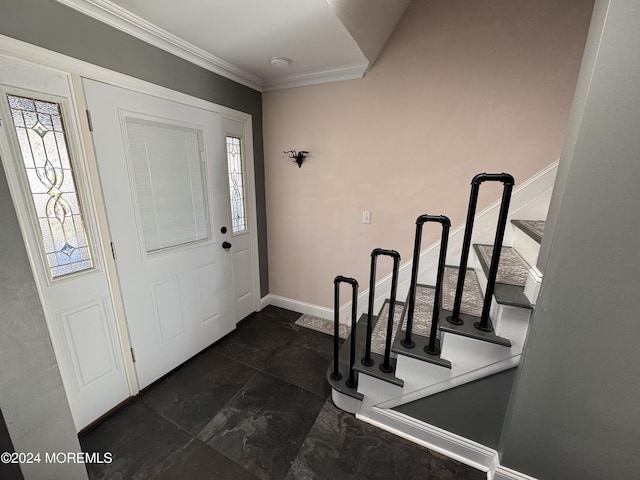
<point>532,287</point>
<point>345,402</point>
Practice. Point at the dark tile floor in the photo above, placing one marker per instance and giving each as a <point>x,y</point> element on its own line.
<point>255,405</point>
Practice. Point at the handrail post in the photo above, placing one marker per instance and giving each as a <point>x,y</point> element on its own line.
<point>466,246</point>
<point>367,360</point>
<point>386,365</point>
<point>508,182</point>
<point>431,348</point>
<point>420,221</point>
<point>351,381</point>
<point>336,328</point>
<point>483,324</point>
<point>406,341</point>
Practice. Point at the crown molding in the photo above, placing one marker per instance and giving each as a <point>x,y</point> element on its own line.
<point>117,17</point>
<point>345,72</point>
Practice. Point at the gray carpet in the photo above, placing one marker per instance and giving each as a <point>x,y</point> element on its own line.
<point>512,268</point>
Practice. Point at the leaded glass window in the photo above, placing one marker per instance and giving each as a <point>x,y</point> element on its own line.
<point>236,185</point>
<point>43,145</point>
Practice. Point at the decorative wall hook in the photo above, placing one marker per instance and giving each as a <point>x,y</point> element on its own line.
<point>298,157</point>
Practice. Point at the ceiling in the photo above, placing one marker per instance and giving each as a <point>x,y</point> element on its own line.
<point>326,40</point>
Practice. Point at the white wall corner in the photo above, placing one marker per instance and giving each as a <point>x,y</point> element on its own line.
<point>532,285</point>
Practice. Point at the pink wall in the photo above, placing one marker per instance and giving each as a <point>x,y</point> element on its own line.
<point>461,87</point>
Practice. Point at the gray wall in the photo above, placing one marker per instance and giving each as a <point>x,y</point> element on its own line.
<point>574,411</point>
<point>475,410</point>
<point>8,471</point>
<point>49,24</point>
<point>32,397</point>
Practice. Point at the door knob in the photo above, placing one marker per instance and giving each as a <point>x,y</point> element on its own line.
<point>226,245</point>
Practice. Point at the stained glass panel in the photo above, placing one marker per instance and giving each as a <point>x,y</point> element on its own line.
<point>39,128</point>
<point>236,185</point>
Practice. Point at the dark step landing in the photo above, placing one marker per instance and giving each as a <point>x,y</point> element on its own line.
<point>533,228</point>
<point>511,278</point>
<point>422,314</point>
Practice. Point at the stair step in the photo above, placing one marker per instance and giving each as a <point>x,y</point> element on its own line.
<point>378,338</point>
<point>511,277</point>
<point>344,359</point>
<point>470,308</point>
<point>533,228</point>
<point>467,329</point>
<point>472,296</point>
<point>379,334</point>
<point>422,314</point>
<point>512,269</point>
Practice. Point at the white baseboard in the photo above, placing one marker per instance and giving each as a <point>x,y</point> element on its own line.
<point>449,444</point>
<point>504,473</point>
<point>298,306</point>
<point>429,436</point>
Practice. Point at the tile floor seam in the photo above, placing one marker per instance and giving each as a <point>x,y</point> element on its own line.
<point>225,405</point>
<point>294,385</point>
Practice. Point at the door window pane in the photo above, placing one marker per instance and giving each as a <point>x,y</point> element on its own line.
<point>168,173</point>
<point>43,145</point>
<point>236,185</point>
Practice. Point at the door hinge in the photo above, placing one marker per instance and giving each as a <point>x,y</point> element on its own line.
<point>89,121</point>
<point>133,355</point>
<point>113,250</point>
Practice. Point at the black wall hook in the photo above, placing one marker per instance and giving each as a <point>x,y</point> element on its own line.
<point>298,157</point>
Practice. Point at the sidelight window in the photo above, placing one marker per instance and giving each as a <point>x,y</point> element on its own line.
<point>43,144</point>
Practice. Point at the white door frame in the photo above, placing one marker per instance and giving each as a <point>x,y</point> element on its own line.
<point>75,69</point>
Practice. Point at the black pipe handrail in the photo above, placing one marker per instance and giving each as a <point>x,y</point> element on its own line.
<point>367,360</point>
<point>508,182</point>
<point>483,324</point>
<point>336,375</point>
<point>407,342</point>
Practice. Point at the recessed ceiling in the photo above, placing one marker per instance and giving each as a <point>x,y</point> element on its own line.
<point>238,38</point>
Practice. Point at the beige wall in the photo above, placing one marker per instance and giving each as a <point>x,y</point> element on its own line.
<point>461,87</point>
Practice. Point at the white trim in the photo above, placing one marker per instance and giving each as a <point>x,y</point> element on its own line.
<point>449,444</point>
<point>125,21</point>
<point>345,402</point>
<point>121,19</point>
<point>27,52</point>
<point>504,473</point>
<point>532,285</point>
<point>298,306</point>
<point>345,72</point>
<point>434,438</point>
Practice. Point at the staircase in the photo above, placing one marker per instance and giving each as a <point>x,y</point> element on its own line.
<point>470,324</point>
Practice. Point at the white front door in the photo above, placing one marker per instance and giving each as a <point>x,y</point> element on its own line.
<point>47,173</point>
<point>164,179</point>
<point>241,211</point>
